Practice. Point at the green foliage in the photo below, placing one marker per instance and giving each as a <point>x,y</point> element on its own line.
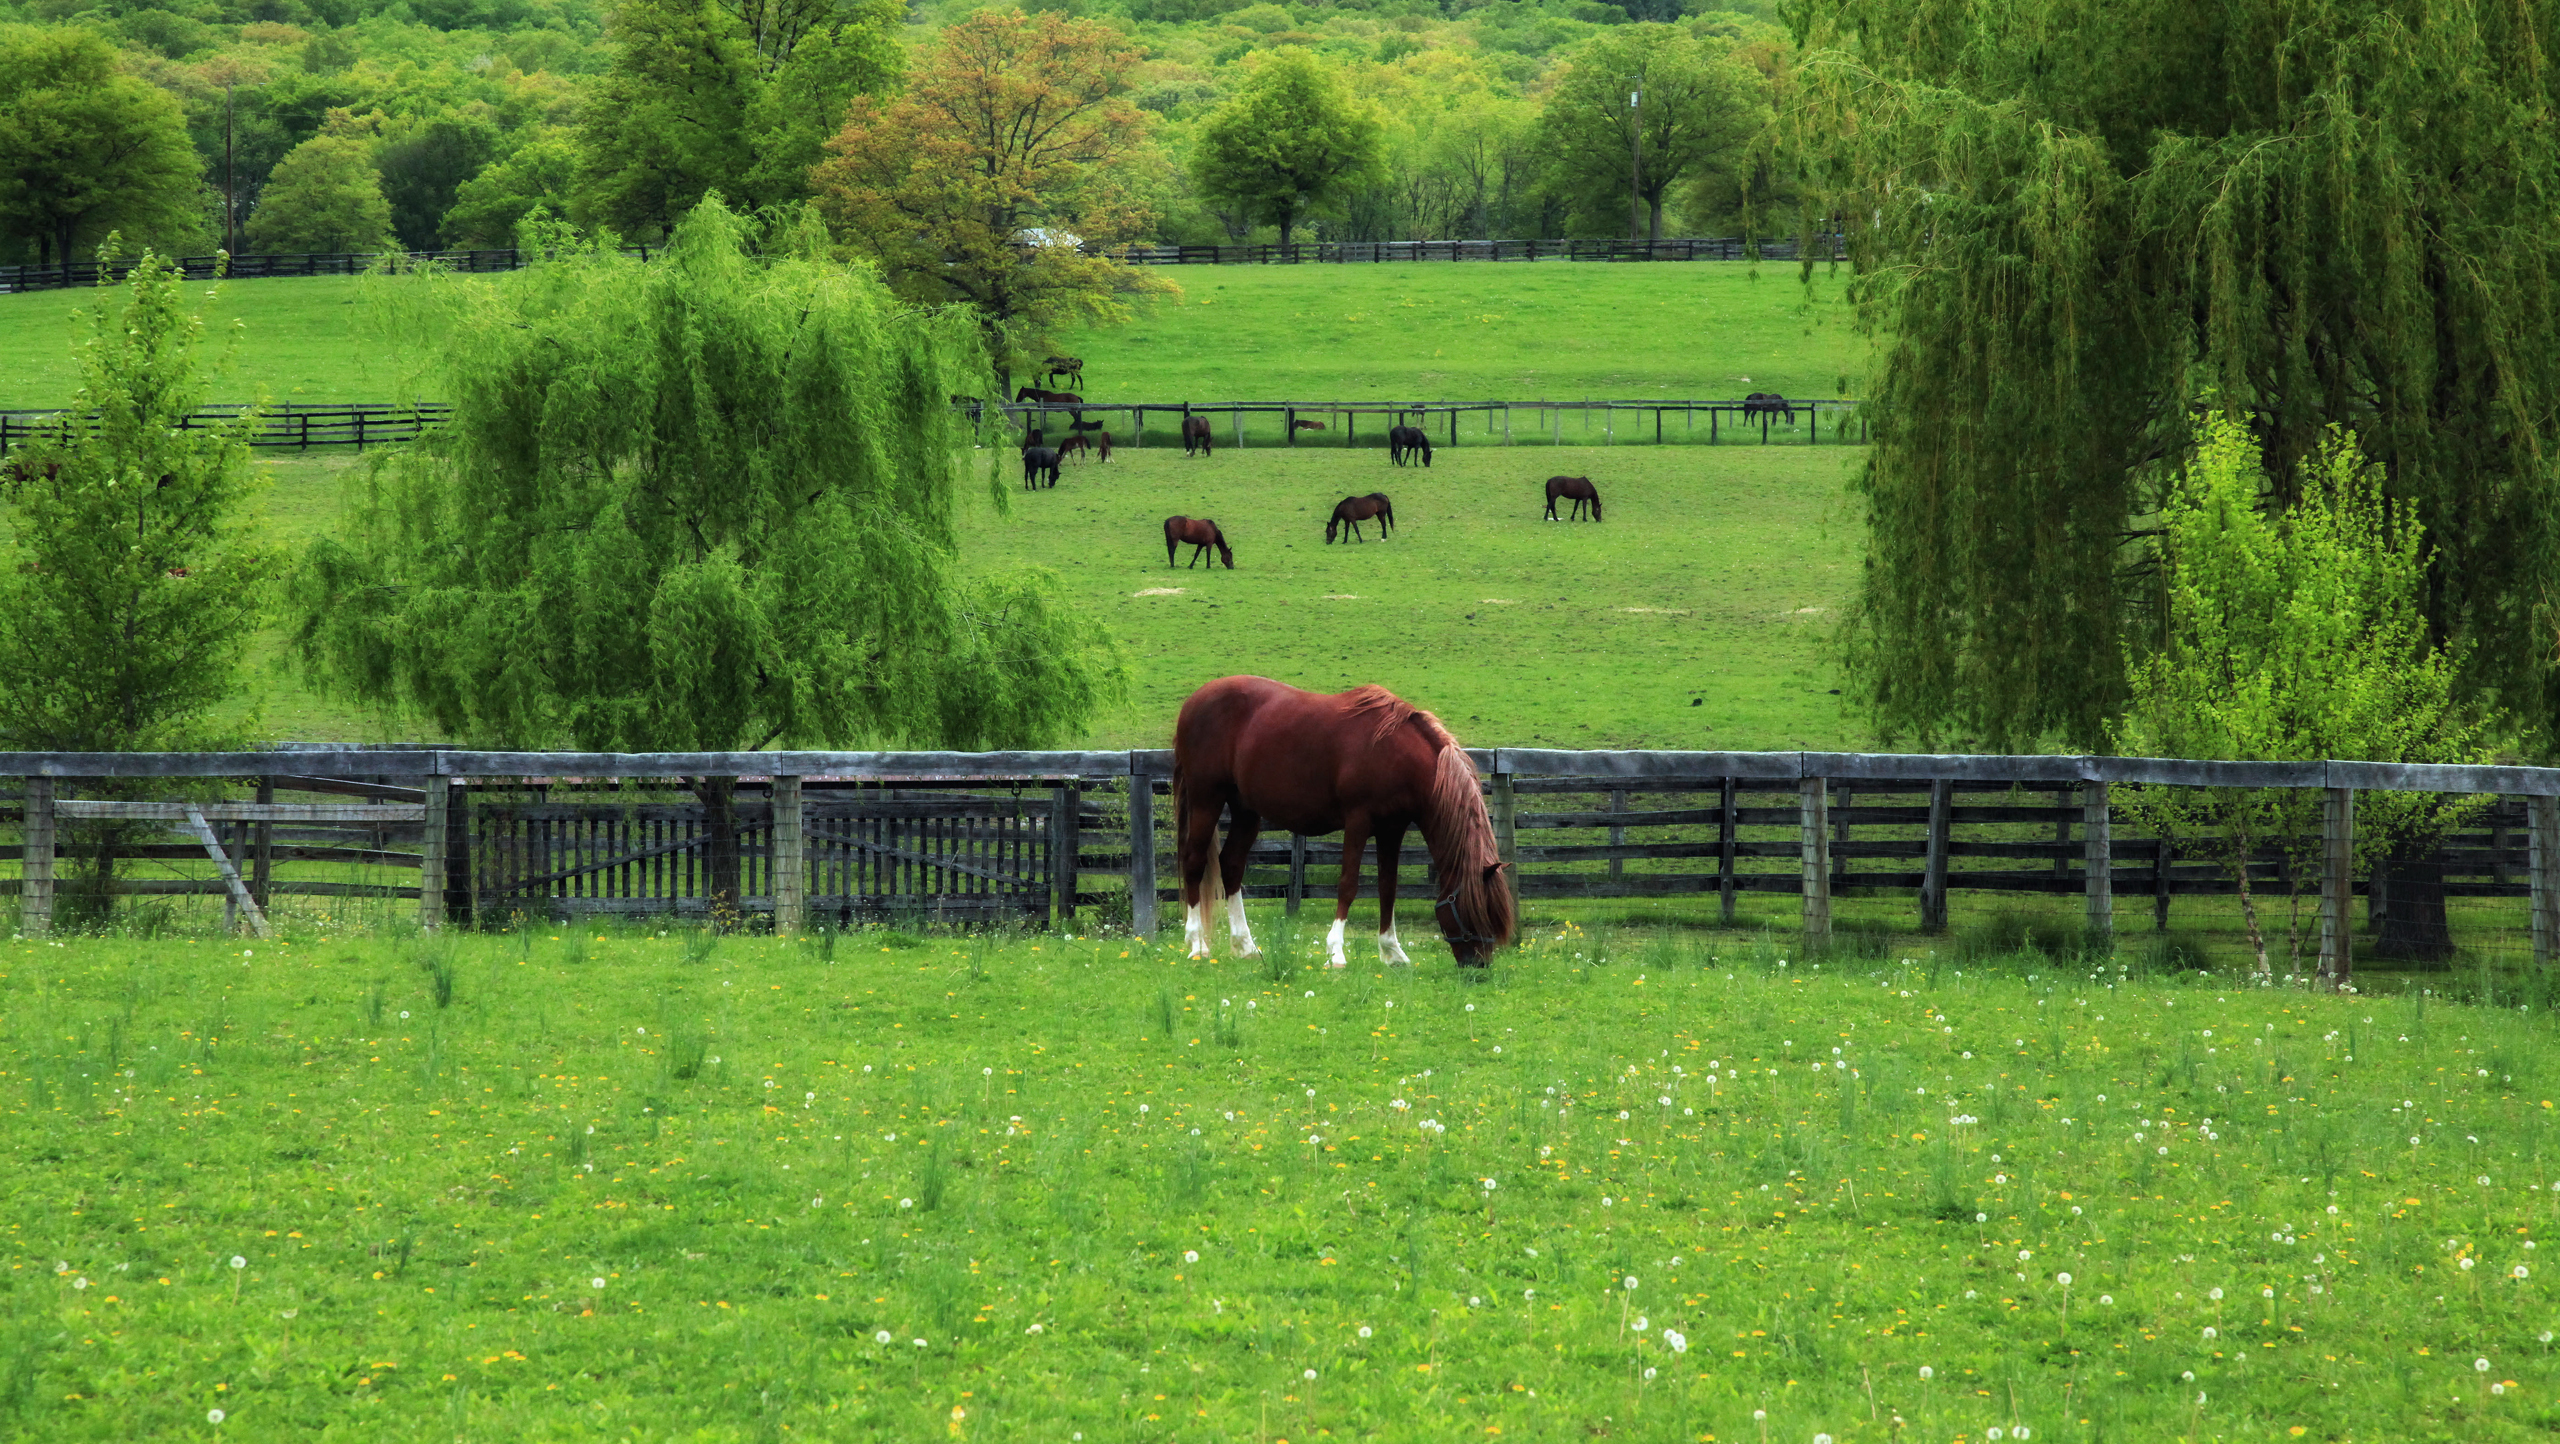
<point>2325,214</point>
<point>89,148</point>
<point>2293,633</point>
<point>422,169</point>
<point>700,504</point>
<point>1292,141</point>
<point>135,582</point>
<point>1701,108</point>
<point>489,207</point>
<point>736,96</point>
<point>325,196</point>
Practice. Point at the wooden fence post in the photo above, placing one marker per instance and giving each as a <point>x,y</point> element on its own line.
<point>2545,812</point>
<point>1725,829</point>
<point>1297,871</point>
<point>431,858</point>
<point>1816,831</point>
<point>1142,854</point>
<point>2098,864</point>
<point>35,896</point>
<point>1064,832</point>
<point>1506,834</point>
<point>790,858</point>
<point>2337,885</point>
<point>263,849</point>
<point>1617,834</point>
<point>1933,875</point>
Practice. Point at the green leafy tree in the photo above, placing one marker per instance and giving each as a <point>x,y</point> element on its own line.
<point>325,195</point>
<point>1009,150</point>
<point>738,96</point>
<point>1701,107</point>
<point>2332,213</point>
<point>2293,633</point>
<point>86,148</point>
<point>1291,142</point>
<point>702,503</point>
<point>488,208</point>
<point>423,165</point>
<point>134,583</point>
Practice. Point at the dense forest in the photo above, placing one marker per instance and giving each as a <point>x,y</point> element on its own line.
<point>294,125</point>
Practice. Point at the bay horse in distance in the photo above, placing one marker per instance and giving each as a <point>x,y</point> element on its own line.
<point>1198,533</point>
<point>1195,432</point>
<point>1576,489</point>
<point>1069,369</point>
<point>1364,763</point>
<point>1047,398</point>
<point>1096,442</point>
<point>1404,441</point>
<point>1766,404</point>
<point>1353,510</point>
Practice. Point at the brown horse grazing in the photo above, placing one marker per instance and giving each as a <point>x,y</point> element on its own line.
<point>1576,489</point>
<point>1047,398</point>
<point>1195,432</point>
<point>1353,510</point>
<point>1097,442</point>
<point>1366,764</point>
<point>1404,441</point>
<point>1069,369</point>
<point>1302,424</point>
<point>1198,533</point>
<point>1038,461</point>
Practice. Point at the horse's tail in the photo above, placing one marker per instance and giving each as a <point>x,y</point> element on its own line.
<point>1459,830</point>
<point>1386,508</point>
<point>1213,888</point>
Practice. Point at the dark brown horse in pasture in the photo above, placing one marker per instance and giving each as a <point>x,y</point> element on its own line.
<point>1195,432</point>
<point>1353,510</point>
<point>1047,398</point>
<point>1768,403</point>
<point>1403,441</point>
<point>1069,369</point>
<point>1303,424</point>
<point>1576,489</point>
<point>1097,442</point>
<point>1198,533</point>
<point>1366,764</point>
<point>1039,461</point>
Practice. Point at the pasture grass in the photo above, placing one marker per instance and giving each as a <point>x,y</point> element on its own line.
<point>605,1183</point>
<point>1555,330</point>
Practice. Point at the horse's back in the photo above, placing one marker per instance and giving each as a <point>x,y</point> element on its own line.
<point>1301,759</point>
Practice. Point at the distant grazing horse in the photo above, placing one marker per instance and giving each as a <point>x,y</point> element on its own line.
<point>1366,764</point>
<point>1047,398</point>
<point>1097,442</point>
<point>1576,489</point>
<point>1404,439</point>
<point>1195,432</point>
<point>1303,424</point>
<point>1036,462</point>
<point>1198,533</point>
<point>1353,510</point>
<point>1069,369</point>
<point>1768,403</point>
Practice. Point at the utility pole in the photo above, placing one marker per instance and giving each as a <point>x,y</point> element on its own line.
<point>230,196</point>
<point>1635,180</point>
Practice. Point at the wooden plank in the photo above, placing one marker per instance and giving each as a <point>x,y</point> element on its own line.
<point>35,908</point>
<point>262,865</point>
<point>1297,872</point>
<point>1142,857</point>
<point>239,891</point>
<point>1062,857</point>
<point>1618,808</point>
<point>431,857</point>
<point>2545,902</point>
<point>357,812</point>
<point>345,787</point>
<point>790,867</point>
<point>1504,806</point>
<point>2337,884</point>
<point>1816,837</point>
<point>1619,822</point>
<point>1933,887</point>
<point>1725,828</point>
<point>2097,867</point>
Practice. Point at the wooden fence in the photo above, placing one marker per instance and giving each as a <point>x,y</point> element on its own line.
<point>353,263</point>
<point>969,837</point>
<point>283,425</point>
<point>1504,423</point>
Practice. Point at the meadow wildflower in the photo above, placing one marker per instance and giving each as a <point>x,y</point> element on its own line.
<point>213,1416</point>
<point>881,1337</point>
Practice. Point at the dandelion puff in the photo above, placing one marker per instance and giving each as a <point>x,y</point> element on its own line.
<point>238,1262</point>
<point>2519,1271</point>
<point>2481,1365</point>
<point>1927,1373</point>
<point>1191,1255</point>
<point>919,1343</point>
<point>213,1416</point>
<point>1364,1331</point>
<point>1311,1376</point>
<point>881,1337</point>
<point>598,1283</point>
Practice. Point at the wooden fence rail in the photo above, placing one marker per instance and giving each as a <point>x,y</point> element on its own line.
<point>287,425</point>
<point>1504,423</point>
<point>975,837</point>
<point>355,263</point>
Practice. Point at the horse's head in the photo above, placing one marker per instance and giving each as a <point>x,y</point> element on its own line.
<point>1224,554</point>
<point>1477,916</point>
<point>1331,526</point>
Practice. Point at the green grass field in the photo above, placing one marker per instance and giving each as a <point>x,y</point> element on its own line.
<point>1554,330</point>
<point>608,1185</point>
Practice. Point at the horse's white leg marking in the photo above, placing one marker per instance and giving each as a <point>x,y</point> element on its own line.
<point>1195,930</point>
<point>1390,951</point>
<point>1245,945</point>
<point>1333,957</point>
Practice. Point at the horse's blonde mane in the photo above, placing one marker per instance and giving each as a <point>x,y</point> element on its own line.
<point>1454,821</point>
<point>1391,711</point>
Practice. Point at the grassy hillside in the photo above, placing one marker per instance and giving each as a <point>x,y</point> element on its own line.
<point>1555,330</point>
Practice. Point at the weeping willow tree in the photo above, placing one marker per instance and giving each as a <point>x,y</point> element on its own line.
<point>2075,221</point>
<point>703,503</point>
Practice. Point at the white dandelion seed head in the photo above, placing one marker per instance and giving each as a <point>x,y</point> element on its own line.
<point>881,1337</point>
<point>213,1416</point>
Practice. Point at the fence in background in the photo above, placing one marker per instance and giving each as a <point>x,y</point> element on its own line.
<point>286,424</point>
<point>354,263</point>
<point>972,837</point>
<point>1506,423</point>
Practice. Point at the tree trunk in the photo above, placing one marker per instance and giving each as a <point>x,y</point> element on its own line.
<point>2413,927</point>
<point>1653,231</point>
<point>719,798</point>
